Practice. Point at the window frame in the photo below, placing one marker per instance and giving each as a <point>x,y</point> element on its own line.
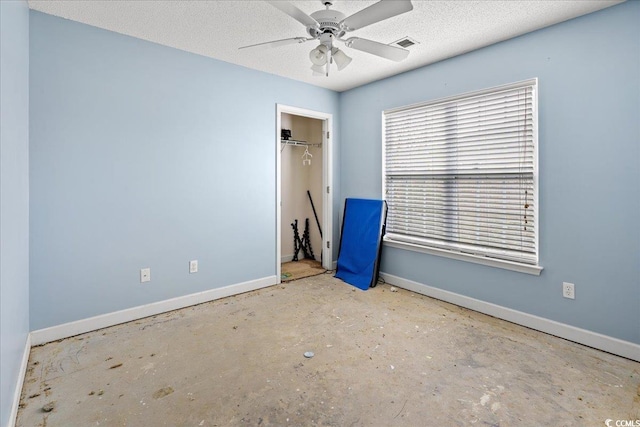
<point>416,245</point>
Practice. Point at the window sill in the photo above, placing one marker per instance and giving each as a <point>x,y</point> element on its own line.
<point>492,262</point>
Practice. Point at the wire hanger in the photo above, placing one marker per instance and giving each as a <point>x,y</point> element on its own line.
<point>306,157</point>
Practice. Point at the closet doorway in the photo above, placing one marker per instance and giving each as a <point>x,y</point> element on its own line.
<point>303,165</point>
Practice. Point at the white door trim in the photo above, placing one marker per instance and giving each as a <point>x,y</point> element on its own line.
<point>327,182</point>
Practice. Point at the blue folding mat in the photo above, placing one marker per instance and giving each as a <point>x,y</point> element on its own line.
<point>363,226</point>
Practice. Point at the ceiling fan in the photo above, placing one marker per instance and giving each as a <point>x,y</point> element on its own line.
<point>328,26</point>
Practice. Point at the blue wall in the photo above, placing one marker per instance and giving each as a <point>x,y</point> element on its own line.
<point>589,152</point>
<point>147,156</point>
<point>14,196</point>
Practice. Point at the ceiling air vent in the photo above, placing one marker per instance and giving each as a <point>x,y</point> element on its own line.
<point>405,42</point>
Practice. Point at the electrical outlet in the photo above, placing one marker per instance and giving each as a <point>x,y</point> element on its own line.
<point>568,290</point>
<point>193,266</point>
<point>145,275</point>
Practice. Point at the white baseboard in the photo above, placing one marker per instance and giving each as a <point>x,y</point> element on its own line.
<point>21,375</point>
<point>582,336</point>
<point>42,336</point>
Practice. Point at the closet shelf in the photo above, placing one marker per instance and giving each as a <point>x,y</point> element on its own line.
<point>298,143</point>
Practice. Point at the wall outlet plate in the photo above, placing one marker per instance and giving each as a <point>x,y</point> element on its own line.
<point>568,290</point>
<point>145,275</point>
<point>193,266</point>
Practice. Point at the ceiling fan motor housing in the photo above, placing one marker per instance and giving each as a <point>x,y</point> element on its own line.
<point>329,21</point>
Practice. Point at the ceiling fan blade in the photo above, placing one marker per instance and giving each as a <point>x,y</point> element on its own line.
<point>377,12</point>
<point>384,50</point>
<point>294,12</point>
<point>277,43</point>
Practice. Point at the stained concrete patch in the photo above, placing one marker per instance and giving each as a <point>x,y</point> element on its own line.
<point>165,391</point>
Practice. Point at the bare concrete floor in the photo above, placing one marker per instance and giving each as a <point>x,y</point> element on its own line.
<point>382,358</point>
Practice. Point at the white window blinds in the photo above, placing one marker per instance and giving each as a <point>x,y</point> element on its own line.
<point>460,173</point>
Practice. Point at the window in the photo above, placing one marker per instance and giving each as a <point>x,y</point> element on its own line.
<point>460,176</point>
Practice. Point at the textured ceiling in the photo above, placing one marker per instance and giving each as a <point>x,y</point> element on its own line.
<point>218,28</point>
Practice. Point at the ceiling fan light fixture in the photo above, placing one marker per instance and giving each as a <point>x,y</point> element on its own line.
<point>318,56</point>
<point>341,59</point>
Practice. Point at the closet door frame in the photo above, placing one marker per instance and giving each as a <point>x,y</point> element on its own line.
<point>327,184</point>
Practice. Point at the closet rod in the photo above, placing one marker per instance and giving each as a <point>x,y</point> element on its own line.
<point>299,143</point>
